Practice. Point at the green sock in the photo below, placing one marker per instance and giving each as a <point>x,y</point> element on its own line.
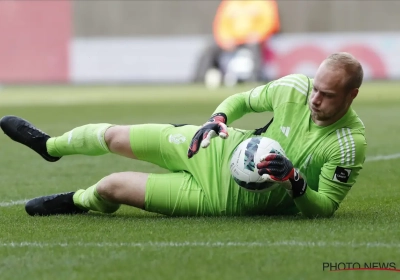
<point>83,140</point>
<point>90,199</point>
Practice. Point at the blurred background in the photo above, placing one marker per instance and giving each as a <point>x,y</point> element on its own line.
<point>212,42</point>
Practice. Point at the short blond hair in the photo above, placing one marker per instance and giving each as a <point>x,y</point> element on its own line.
<point>350,65</point>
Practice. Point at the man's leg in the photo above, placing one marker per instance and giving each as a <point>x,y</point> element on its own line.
<point>173,194</point>
<point>118,188</point>
<point>176,194</point>
<point>90,139</point>
<point>109,193</point>
<point>106,196</point>
<point>95,139</point>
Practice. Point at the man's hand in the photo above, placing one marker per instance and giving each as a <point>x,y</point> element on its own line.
<point>216,125</point>
<point>277,168</point>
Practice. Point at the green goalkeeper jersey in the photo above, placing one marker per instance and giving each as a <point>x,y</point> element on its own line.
<point>329,158</point>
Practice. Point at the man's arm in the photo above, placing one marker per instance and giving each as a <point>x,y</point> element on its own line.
<point>311,203</point>
<point>314,204</point>
<point>337,177</point>
<point>231,109</point>
<point>237,105</point>
<point>266,98</point>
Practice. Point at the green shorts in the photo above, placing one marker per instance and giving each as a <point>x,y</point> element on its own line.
<point>200,186</point>
<point>176,194</point>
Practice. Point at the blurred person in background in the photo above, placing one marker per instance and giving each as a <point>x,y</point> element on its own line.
<point>241,30</point>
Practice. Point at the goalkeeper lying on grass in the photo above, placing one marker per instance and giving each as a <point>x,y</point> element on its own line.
<point>313,121</point>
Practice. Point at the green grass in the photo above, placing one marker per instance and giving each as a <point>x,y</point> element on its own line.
<point>133,244</point>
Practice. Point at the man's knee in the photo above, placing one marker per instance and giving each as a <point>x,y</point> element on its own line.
<point>117,139</point>
<point>124,188</point>
<point>108,186</point>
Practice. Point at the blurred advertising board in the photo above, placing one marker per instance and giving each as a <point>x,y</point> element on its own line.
<point>175,59</point>
<point>140,60</point>
<point>302,53</point>
<point>41,50</point>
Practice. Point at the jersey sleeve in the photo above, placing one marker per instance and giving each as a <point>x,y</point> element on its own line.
<point>288,89</point>
<point>266,98</point>
<point>237,105</point>
<point>345,159</point>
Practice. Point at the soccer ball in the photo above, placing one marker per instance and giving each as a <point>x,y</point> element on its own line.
<point>245,158</point>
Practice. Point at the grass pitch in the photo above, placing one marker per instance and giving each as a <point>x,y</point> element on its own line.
<point>133,244</point>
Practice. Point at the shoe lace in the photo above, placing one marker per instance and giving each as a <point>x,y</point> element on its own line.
<point>35,132</point>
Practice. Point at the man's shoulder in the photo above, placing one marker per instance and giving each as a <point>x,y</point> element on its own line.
<point>291,88</point>
<point>354,123</point>
<point>293,79</point>
<point>352,127</point>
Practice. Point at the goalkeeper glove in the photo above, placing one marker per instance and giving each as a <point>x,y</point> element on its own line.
<point>277,168</point>
<point>216,125</point>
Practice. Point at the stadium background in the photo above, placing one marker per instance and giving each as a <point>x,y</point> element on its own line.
<point>161,41</point>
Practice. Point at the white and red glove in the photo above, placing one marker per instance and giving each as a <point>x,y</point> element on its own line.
<point>277,168</point>
<point>215,126</point>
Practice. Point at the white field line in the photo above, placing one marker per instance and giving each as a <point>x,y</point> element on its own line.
<point>379,158</point>
<point>12,203</point>
<point>99,96</point>
<point>291,243</point>
<point>369,159</point>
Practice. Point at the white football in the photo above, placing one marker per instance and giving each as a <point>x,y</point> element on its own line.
<point>245,158</point>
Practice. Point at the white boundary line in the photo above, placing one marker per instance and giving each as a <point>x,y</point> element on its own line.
<point>387,157</point>
<point>369,159</point>
<point>12,203</point>
<point>291,243</point>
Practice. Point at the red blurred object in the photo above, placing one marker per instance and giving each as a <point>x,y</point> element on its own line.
<point>34,41</point>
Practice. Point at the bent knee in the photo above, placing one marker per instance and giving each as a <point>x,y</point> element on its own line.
<point>124,188</point>
<point>107,186</point>
<point>117,139</point>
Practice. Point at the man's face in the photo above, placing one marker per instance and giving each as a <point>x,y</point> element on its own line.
<point>329,100</point>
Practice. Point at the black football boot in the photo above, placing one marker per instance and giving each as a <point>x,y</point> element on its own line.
<point>56,204</point>
<point>25,133</point>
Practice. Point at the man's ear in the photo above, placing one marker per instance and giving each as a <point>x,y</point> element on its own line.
<point>354,93</point>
